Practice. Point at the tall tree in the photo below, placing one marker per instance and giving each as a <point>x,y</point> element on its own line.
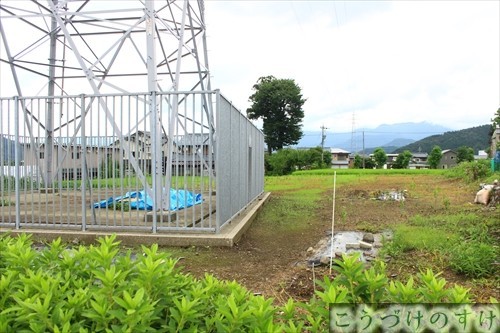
<point>495,123</point>
<point>402,160</point>
<point>363,162</point>
<point>465,154</point>
<point>278,102</point>
<point>435,157</point>
<point>358,162</point>
<point>380,157</point>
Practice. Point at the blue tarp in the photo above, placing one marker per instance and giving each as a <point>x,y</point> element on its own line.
<point>179,199</point>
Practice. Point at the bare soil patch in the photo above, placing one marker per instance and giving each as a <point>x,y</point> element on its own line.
<point>267,260</point>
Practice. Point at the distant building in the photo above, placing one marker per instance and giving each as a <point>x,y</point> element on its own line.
<point>419,161</point>
<point>190,154</point>
<point>481,155</point>
<point>69,157</point>
<point>340,158</point>
<point>448,159</point>
<point>391,159</point>
<point>193,154</point>
<point>139,145</point>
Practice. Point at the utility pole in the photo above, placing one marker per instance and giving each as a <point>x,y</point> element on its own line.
<point>323,137</point>
<point>363,149</point>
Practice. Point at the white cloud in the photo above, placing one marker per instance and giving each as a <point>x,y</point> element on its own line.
<point>385,62</point>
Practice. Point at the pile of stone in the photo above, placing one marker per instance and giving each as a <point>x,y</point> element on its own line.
<point>392,195</point>
<point>345,242</point>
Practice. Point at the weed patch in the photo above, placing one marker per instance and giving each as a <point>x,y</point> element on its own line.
<point>465,239</point>
<point>408,238</point>
<point>474,259</point>
<point>6,202</point>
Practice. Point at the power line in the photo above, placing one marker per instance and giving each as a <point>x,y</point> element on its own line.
<point>353,130</point>
<point>374,132</point>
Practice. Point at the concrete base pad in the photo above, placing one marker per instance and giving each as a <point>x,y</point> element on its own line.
<point>229,234</point>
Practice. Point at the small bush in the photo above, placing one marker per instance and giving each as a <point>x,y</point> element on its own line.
<point>471,171</point>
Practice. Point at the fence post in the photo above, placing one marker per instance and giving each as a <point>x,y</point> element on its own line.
<point>218,182</point>
<point>83,186</point>
<point>17,155</point>
<point>155,158</point>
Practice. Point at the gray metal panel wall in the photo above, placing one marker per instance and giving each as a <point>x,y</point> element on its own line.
<point>240,161</point>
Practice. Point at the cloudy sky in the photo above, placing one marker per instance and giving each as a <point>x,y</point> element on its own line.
<point>367,61</point>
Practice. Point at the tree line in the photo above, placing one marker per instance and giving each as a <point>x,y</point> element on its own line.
<point>279,104</point>
<point>478,138</point>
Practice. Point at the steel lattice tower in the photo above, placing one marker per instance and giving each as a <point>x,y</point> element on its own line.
<point>61,48</point>
<point>103,46</point>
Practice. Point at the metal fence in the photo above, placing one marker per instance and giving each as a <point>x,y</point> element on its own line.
<point>240,157</point>
<point>151,162</point>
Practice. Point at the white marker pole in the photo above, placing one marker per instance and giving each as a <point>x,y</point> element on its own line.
<point>333,220</point>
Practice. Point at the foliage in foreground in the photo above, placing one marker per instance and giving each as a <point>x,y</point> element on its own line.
<point>102,289</point>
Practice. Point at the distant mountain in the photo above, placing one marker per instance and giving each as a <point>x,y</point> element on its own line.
<point>399,142</point>
<point>475,137</point>
<point>387,149</point>
<point>396,135</point>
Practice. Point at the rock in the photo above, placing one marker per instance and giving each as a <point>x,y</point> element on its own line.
<point>314,262</point>
<point>377,244</point>
<point>310,249</point>
<point>352,245</point>
<point>365,245</point>
<point>387,235</point>
<point>325,260</point>
<point>368,237</point>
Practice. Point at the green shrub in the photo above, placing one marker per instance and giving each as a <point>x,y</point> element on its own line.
<point>471,171</point>
<point>104,289</point>
<point>99,289</point>
<point>282,162</point>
